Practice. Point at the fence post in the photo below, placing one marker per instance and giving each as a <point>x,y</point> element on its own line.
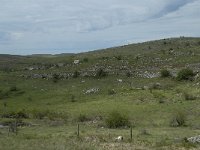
<point>16,126</point>
<point>131,133</point>
<point>78,130</point>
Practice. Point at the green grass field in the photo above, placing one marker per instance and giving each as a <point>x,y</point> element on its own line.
<point>48,96</point>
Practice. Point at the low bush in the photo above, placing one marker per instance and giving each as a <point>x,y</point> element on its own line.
<point>39,114</point>
<point>165,73</point>
<point>178,120</point>
<point>76,74</point>
<point>101,73</point>
<point>55,77</point>
<point>48,114</point>
<point>20,114</point>
<point>85,59</point>
<point>128,74</point>
<point>111,92</point>
<point>117,120</point>
<point>119,57</point>
<point>13,88</point>
<point>72,98</point>
<point>185,74</point>
<point>155,86</point>
<point>82,118</point>
<point>4,94</point>
<point>189,96</point>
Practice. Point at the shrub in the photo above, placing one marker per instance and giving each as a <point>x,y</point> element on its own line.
<point>189,96</point>
<point>39,114</point>
<point>119,57</point>
<point>187,44</point>
<point>155,86</point>
<point>111,92</point>
<point>185,74</point>
<point>165,73</point>
<point>178,119</point>
<point>82,118</point>
<point>48,114</point>
<point>76,74</point>
<point>85,59</point>
<point>13,88</point>
<point>72,98</point>
<point>4,94</point>
<point>100,73</point>
<point>20,114</point>
<point>56,77</point>
<point>161,101</point>
<point>145,132</point>
<point>128,74</point>
<point>117,120</point>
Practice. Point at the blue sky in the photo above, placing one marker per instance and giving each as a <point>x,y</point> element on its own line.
<point>72,26</point>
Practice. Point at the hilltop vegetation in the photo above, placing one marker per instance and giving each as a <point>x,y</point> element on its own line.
<point>151,87</point>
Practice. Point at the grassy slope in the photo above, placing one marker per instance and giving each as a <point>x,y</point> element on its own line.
<point>67,100</point>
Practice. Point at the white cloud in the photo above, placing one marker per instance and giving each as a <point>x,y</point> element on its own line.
<point>88,24</point>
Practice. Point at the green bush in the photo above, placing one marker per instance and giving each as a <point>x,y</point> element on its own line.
<point>85,59</point>
<point>20,114</point>
<point>119,57</point>
<point>48,114</point>
<point>4,94</point>
<point>117,120</point>
<point>76,74</point>
<point>82,118</point>
<point>185,74</point>
<point>56,77</point>
<point>128,74</point>
<point>13,88</point>
<point>39,114</point>
<point>178,120</point>
<point>111,92</point>
<point>165,73</point>
<point>101,73</point>
<point>189,96</point>
<point>72,98</point>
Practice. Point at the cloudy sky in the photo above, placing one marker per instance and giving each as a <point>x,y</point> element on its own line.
<point>65,26</point>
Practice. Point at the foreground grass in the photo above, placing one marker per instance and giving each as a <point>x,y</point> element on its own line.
<point>149,116</point>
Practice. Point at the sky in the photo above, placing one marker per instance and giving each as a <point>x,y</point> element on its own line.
<point>73,26</point>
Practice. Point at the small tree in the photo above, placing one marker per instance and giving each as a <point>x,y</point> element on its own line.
<point>178,120</point>
<point>76,74</point>
<point>101,73</point>
<point>165,73</point>
<point>117,120</point>
<point>85,59</point>
<point>185,74</point>
<point>55,77</point>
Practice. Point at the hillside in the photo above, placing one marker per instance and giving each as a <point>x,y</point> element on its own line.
<point>46,96</point>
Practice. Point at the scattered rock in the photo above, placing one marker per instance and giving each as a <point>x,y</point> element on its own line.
<point>76,62</point>
<point>196,77</point>
<point>119,80</point>
<point>119,138</point>
<point>93,90</point>
<point>195,139</point>
<point>146,87</point>
<point>1,126</point>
